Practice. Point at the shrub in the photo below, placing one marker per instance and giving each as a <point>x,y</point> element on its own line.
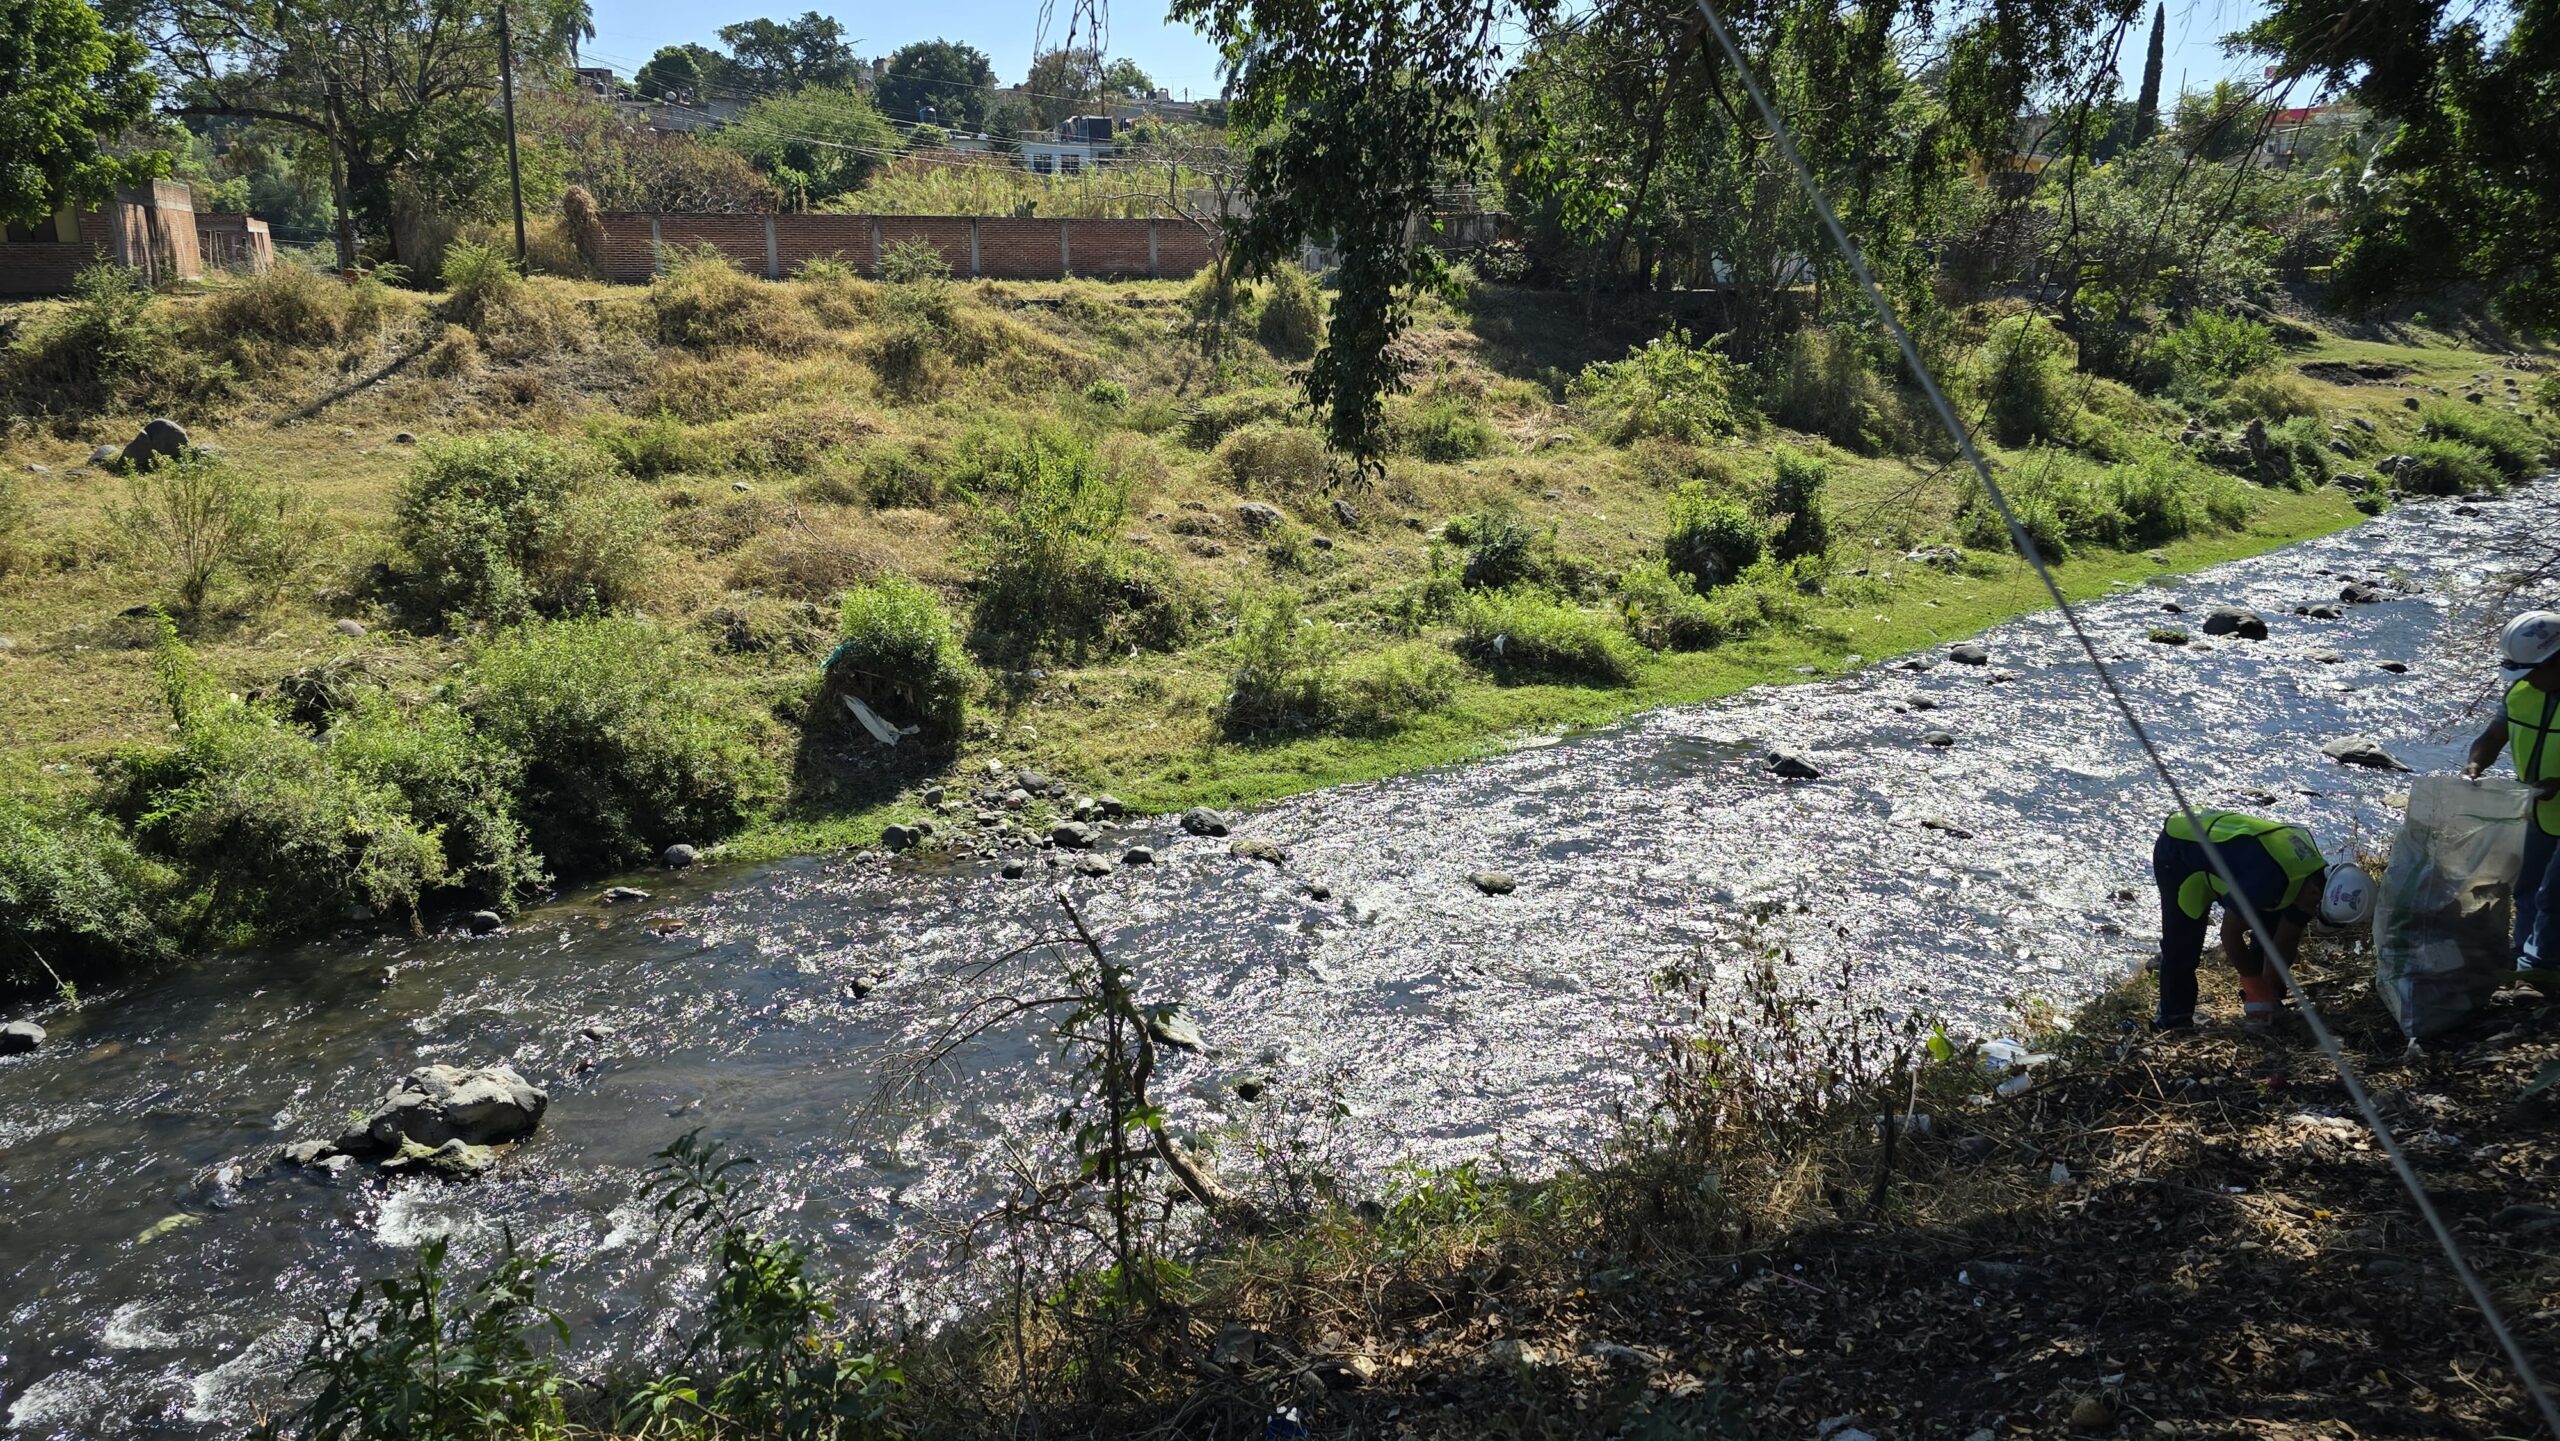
<point>647,449</point>
<point>1215,417</point>
<point>1669,387</point>
<point>1445,428</point>
<point>705,302</point>
<point>406,1361</point>
<point>1529,635</point>
<point>277,836</point>
<point>195,520</point>
<point>1795,502</point>
<point>1818,381</point>
<point>2064,502</point>
<point>2511,445</point>
<point>911,261</point>
<point>624,748</point>
<point>899,475</point>
<point>1284,677</point>
<point>1662,610</point>
<point>2020,376</point>
<point>1052,560</point>
<point>1276,459</point>
<point>510,523</point>
<point>1712,540</point>
<point>107,346</point>
<point>288,306</point>
<point>2296,454</point>
<point>901,656</point>
<point>479,281</point>
<point>2449,467</point>
<point>2209,350</point>
<point>1503,550</point>
<point>455,784</point>
<point>1388,690</point>
<point>2270,396</point>
<point>1107,394</point>
<point>1291,322</point>
<point>75,897</point>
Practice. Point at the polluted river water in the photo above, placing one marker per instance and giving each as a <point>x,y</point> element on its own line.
<point>158,1275</point>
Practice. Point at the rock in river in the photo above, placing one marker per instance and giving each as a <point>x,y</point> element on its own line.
<point>1071,835</point>
<point>1939,739</point>
<point>455,1160</point>
<point>1171,1027</point>
<point>1493,883</point>
<point>1968,654</point>
<point>1255,848</point>
<point>678,857</point>
<point>1202,821</point>
<point>436,1104</point>
<point>486,922</point>
<point>2362,751</point>
<point>1787,765</point>
<point>18,1037</point>
<point>2236,620</point>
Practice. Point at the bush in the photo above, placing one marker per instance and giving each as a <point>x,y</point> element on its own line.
<point>1283,681</point>
<point>1273,459</point>
<point>195,521</point>
<point>911,261</point>
<point>406,1361</point>
<point>1669,387</point>
<point>455,785</point>
<point>2209,350</point>
<point>2296,454</point>
<point>2511,445</point>
<point>1445,428</point>
<point>1818,381</point>
<point>480,281</point>
<point>503,525</point>
<point>705,302</point>
<point>651,448</point>
<point>1215,417</point>
<point>2269,396</point>
<point>1795,502</point>
<point>901,656</point>
<point>2064,503</point>
<point>75,897</point>
<point>625,750</point>
<point>1052,560</point>
<point>582,226</point>
<point>1291,322</point>
<point>1503,550</point>
<point>896,476</point>
<point>1390,689</point>
<point>2021,378</point>
<point>1107,395</point>
<point>2449,467</point>
<point>1662,610</point>
<point>108,346</point>
<point>1529,635</point>
<point>286,307</point>
<point>1712,540</point>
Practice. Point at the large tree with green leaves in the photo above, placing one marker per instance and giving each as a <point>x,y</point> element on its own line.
<point>67,87</point>
<point>944,76</point>
<point>815,144</point>
<point>776,55</point>
<point>2468,189</point>
<point>398,93</point>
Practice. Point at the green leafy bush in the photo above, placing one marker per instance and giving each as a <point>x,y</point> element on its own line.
<point>500,526</point>
<point>480,282</point>
<point>1795,503</point>
<point>75,897</point>
<point>896,476</point>
<point>705,302</point>
<point>2511,445</point>
<point>2449,467</point>
<point>108,346</point>
<point>2065,503</point>
<point>653,447</point>
<point>910,262</point>
<point>2209,350</point>
<point>1503,550</point>
<point>454,783</point>
<point>1273,459</point>
<point>1668,387</point>
<point>1107,395</point>
<point>901,656</point>
<point>195,521</point>
<point>1214,417</point>
<point>1444,428</point>
<point>1284,679</point>
<point>1662,610</point>
<point>2021,376</point>
<point>1712,540</point>
<point>1818,380</point>
<point>625,749</point>
<point>1390,689</point>
<point>406,1361</point>
<point>1291,321</point>
<point>1528,634</point>
<point>1053,562</point>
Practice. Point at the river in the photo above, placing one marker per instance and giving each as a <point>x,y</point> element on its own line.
<point>1447,1023</point>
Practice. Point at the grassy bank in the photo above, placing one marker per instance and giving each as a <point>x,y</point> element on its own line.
<point>1076,528</point>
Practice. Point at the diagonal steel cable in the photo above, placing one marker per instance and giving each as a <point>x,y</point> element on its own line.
<point>2237,895</point>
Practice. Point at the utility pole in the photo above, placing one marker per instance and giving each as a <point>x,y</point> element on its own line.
<point>507,99</point>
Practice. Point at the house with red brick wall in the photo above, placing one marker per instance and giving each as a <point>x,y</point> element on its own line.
<point>154,229</point>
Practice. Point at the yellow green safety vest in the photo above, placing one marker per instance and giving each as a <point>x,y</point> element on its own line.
<point>2290,845</point>
<point>2533,715</point>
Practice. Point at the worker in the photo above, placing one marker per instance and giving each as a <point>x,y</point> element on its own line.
<point>2285,879</point>
<point>2529,671</point>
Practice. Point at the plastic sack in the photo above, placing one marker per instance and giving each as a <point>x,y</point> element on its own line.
<point>2442,925</point>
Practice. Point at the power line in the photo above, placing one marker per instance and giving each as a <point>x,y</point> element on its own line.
<point>2237,895</point>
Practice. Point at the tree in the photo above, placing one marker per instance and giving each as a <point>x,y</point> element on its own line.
<point>672,75</point>
<point>1123,80</point>
<point>789,55</point>
<point>67,86</point>
<point>1062,83</point>
<point>815,144</point>
<point>2146,103</point>
<point>2468,189</point>
<point>950,78</point>
<point>398,93</point>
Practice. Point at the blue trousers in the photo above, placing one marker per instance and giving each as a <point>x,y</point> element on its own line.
<point>2538,900</point>
<point>2182,937</point>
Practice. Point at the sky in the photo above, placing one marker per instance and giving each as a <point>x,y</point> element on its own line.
<point>629,31</point>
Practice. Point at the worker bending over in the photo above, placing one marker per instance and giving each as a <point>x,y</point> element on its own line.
<point>2285,879</point>
<point>2529,669</point>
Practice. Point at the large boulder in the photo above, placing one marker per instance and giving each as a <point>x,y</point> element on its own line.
<point>478,1106</point>
<point>2362,751</point>
<point>2236,620</point>
<point>20,1036</point>
<point>1202,821</point>
<point>1258,518</point>
<point>162,439</point>
<point>1968,654</point>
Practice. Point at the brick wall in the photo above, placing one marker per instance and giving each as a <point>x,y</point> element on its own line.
<point>34,267</point>
<point>234,242</point>
<point>998,248</point>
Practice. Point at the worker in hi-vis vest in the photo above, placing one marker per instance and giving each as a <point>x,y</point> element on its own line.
<point>2286,880</point>
<point>2529,669</point>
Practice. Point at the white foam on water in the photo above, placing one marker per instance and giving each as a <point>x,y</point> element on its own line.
<point>58,1400</point>
<point>244,1388</point>
<point>424,1211</point>
<point>133,1327</point>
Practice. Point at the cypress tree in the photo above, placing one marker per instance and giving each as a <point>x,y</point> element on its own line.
<point>2146,106</point>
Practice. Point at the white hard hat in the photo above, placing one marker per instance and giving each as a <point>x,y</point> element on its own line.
<point>2346,896</point>
<point>2528,641</point>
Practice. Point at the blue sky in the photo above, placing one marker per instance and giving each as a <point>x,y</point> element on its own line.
<point>628,31</point>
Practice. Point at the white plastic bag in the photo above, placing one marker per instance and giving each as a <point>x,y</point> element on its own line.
<point>2442,927</point>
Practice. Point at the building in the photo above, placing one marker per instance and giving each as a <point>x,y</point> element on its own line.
<point>152,228</point>
<point>1082,143</point>
<point>2302,132</point>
